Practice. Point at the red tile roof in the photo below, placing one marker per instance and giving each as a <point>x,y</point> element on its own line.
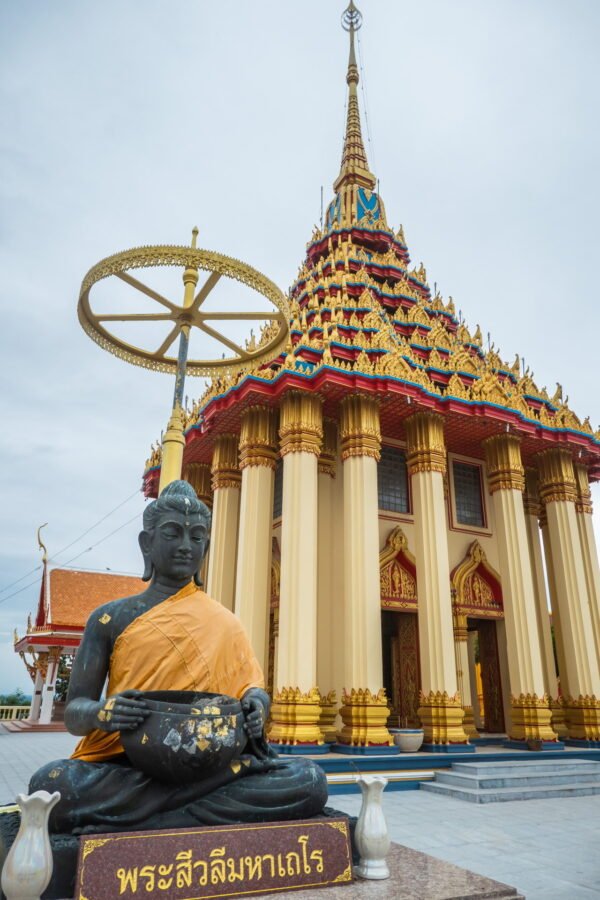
<point>74,595</point>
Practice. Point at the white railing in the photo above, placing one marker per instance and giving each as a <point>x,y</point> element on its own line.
<point>14,712</point>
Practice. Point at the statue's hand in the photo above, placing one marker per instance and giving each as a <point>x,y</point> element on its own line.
<point>122,712</point>
<point>254,716</point>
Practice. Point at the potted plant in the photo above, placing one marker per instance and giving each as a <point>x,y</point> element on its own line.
<point>409,740</point>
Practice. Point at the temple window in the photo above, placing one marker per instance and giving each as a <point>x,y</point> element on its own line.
<point>392,480</point>
<point>278,490</point>
<point>468,496</point>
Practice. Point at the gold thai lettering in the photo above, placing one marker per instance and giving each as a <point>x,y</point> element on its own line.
<point>220,867</point>
<point>128,879</point>
<point>217,865</point>
<point>303,840</point>
<point>164,884</point>
<point>183,862</point>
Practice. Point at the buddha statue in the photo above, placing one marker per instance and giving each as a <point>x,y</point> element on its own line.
<point>172,637</point>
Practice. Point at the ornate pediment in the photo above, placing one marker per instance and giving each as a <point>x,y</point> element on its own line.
<point>397,573</point>
<point>477,590</point>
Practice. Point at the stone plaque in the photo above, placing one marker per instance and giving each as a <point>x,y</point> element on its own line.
<point>214,861</point>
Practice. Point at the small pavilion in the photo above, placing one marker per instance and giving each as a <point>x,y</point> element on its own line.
<point>67,597</point>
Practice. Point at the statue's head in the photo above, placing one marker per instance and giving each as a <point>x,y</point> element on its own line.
<point>176,534</point>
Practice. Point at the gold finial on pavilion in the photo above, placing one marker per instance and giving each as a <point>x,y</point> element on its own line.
<point>41,544</point>
<point>355,168</point>
<point>194,236</point>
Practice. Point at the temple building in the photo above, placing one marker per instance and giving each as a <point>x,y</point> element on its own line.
<point>67,597</point>
<point>387,497</point>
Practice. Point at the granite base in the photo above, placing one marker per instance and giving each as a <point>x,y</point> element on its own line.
<point>533,746</point>
<point>374,750</point>
<point>414,876</point>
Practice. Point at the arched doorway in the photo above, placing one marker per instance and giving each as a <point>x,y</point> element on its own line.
<point>477,596</point>
<point>400,630</point>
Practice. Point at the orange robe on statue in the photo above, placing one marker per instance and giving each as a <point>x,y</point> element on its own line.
<point>188,642</point>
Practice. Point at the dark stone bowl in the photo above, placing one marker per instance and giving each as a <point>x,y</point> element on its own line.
<point>187,737</point>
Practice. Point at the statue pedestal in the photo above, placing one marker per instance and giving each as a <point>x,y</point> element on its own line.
<point>415,874</point>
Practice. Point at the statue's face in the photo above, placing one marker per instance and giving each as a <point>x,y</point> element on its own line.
<point>176,546</point>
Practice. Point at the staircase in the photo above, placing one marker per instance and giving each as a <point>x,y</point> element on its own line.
<point>24,726</point>
<point>494,782</point>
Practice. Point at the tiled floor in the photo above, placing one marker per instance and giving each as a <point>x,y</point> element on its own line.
<point>548,849</point>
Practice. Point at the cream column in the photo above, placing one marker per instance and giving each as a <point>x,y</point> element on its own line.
<point>198,475</point>
<point>364,709</point>
<point>463,676</point>
<point>530,712</point>
<point>558,641</point>
<point>49,686</point>
<point>329,613</point>
<point>258,455</point>
<point>226,482</point>
<point>441,711</point>
<point>532,506</point>
<point>583,508</point>
<point>297,702</point>
<point>559,492</point>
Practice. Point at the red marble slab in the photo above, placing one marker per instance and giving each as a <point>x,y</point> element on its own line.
<point>216,861</point>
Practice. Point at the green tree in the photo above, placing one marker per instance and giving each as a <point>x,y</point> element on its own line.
<point>17,698</point>
<point>62,679</point>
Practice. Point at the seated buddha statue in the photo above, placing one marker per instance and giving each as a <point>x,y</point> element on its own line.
<point>172,637</point>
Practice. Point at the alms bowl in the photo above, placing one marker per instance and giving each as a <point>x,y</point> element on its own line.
<point>187,737</point>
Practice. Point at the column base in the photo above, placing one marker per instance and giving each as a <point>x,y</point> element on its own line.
<point>535,746</point>
<point>468,723</point>
<point>328,717</point>
<point>442,720</point>
<point>531,717</point>
<point>300,749</point>
<point>364,716</point>
<point>584,745</point>
<point>559,721</point>
<point>295,718</point>
<point>583,718</point>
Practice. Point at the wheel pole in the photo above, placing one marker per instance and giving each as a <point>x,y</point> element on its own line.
<point>173,442</point>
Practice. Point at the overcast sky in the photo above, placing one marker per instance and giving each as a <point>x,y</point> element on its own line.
<point>125,123</point>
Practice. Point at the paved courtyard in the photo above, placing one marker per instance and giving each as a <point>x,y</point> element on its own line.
<point>548,849</point>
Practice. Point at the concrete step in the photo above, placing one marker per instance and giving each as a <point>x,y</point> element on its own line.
<point>22,726</point>
<point>570,775</point>
<point>514,767</point>
<point>500,795</point>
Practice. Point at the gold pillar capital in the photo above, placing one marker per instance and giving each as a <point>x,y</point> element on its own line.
<point>225,467</point>
<point>583,503</point>
<point>300,423</point>
<point>258,438</point>
<point>503,458</point>
<point>459,620</point>
<point>360,432</point>
<point>328,457</point>
<point>556,476</point>
<point>531,497</point>
<point>198,475</point>
<point>426,444</point>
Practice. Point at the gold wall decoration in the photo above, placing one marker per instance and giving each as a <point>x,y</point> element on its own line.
<point>258,438</point>
<point>198,475</point>
<point>504,467</point>
<point>556,476</point>
<point>397,568</point>
<point>584,494</point>
<point>300,423</point>
<point>477,586</point>
<point>328,457</point>
<point>426,445</point>
<point>360,432</point>
<point>225,466</point>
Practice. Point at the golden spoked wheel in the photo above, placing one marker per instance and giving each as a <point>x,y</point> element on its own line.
<point>179,319</point>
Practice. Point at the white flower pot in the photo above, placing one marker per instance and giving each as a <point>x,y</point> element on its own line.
<point>409,739</point>
<point>28,866</point>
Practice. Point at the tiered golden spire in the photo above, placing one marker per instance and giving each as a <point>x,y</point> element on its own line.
<point>354,168</point>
